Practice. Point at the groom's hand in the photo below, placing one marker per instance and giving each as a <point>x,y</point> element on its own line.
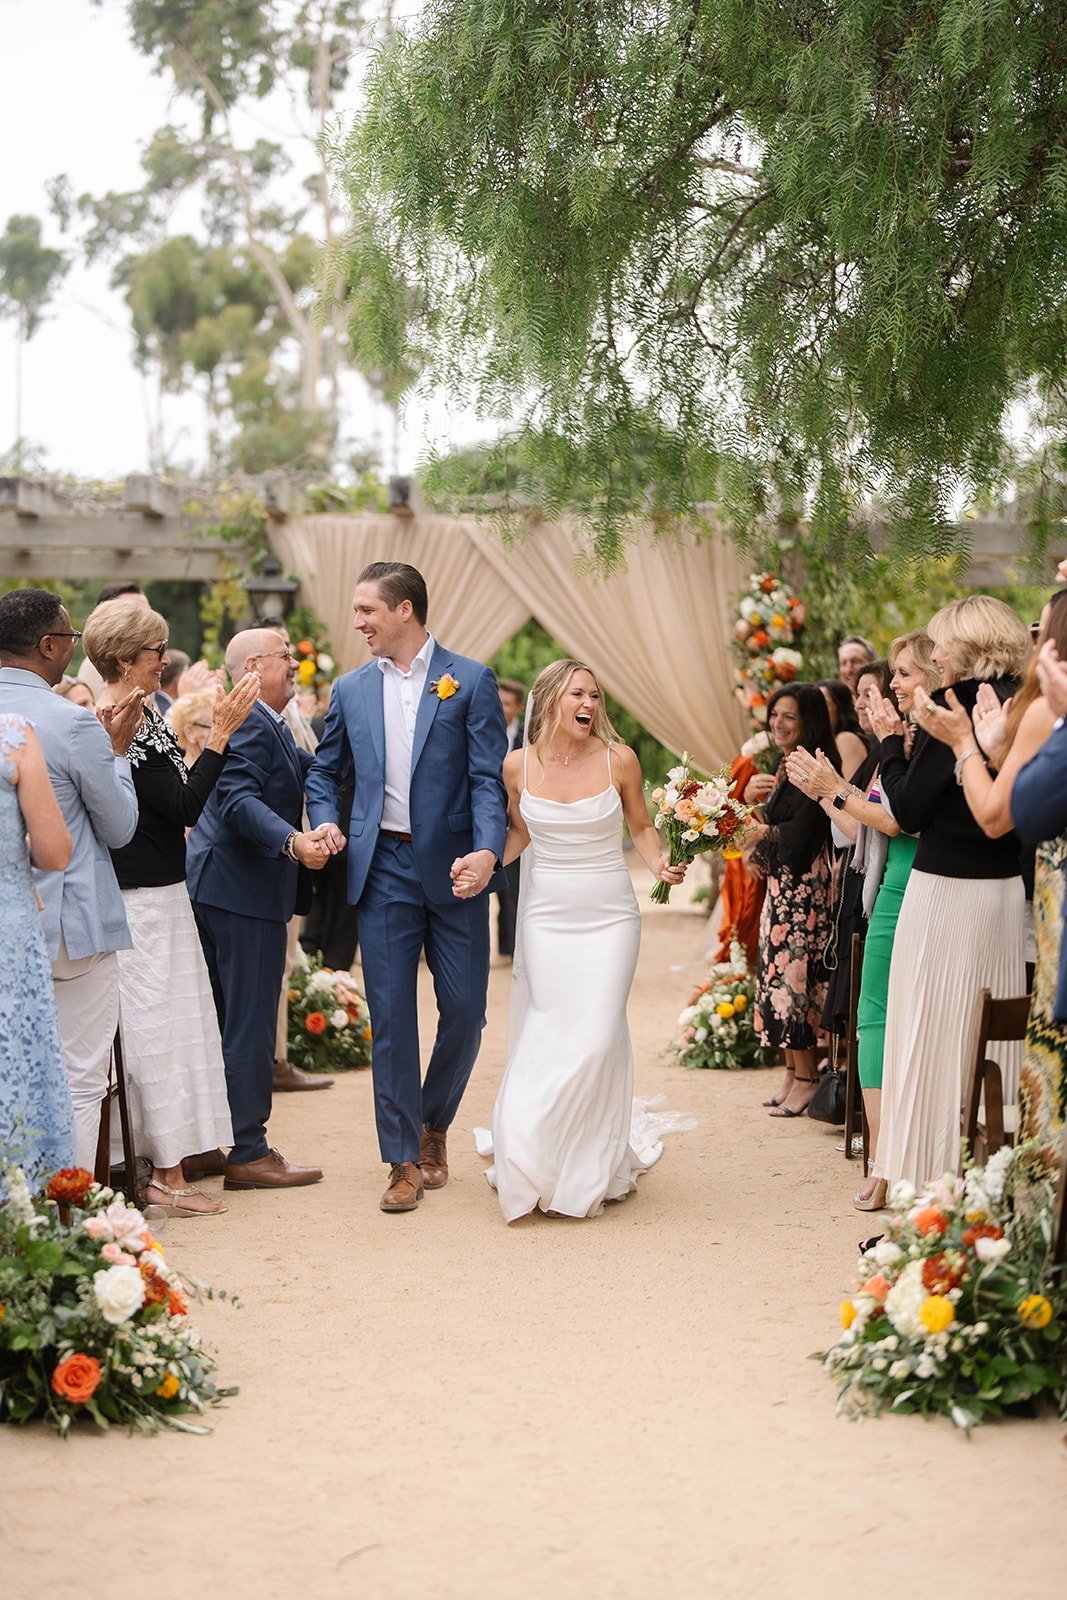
<point>471,874</point>
<point>329,838</point>
<point>310,851</point>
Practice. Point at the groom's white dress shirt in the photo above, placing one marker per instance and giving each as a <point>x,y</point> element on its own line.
<point>401,692</point>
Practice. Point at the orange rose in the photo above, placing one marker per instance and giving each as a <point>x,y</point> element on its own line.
<point>78,1377</point>
<point>930,1220</point>
<point>176,1306</point>
<point>315,1022</point>
<point>981,1230</point>
<point>768,583</point>
<point>306,647</point>
<point>69,1185</point>
<point>877,1287</point>
<point>155,1288</point>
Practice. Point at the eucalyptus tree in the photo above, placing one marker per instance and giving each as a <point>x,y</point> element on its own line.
<point>785,254</point>
<point>30,272</point>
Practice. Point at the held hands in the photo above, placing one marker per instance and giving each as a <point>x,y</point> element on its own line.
<point>230,710</point>
<point>470,874</point>
<point>885,718</point>
<point>950,723</point>
<point>122,720</point>
<point>314,849</point>
<point>1052,676</point>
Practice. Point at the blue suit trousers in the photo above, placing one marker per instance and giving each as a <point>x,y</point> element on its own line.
<point>396,923</point>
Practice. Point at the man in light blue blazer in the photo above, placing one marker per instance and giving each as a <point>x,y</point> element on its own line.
<point>83,916</point>
<point>425,734</point>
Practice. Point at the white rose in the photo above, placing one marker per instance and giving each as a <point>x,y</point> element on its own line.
<point>901,1195</point>
<point>886,1252</point>
<point>325,662</point>
<point>339,1018</point>
<point>700,1035</point>
<point>991,1249</point>
<point>119,1293</point>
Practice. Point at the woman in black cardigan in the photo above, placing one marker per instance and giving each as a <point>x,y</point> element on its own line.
<point>794,854</point>
<point>173,1055</point>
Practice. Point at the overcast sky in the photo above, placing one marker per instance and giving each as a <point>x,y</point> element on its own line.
<point>78,99</point>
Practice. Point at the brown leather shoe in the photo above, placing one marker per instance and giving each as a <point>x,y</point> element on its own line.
<point>271,1171</point>
<point>433,1158</point>
<point>288,1076</point>
<point>405,1187</point>
<point>208,1164</point>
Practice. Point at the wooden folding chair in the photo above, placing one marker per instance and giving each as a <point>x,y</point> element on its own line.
<point>116,1089</point>
<point>855,1114</point>
<point>983,1126</point>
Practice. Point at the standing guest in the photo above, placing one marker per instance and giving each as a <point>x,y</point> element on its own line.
<point>331,927</point>
<point>175,1078</point>
<point>87,673</point>
<point>1014,740</point>
<point>36,1120</point>
<point>853,653</point>
<point>84,920</point>
<point>424,730</point>
<point>793,840</point>
<point>287,1075</point>
<point>851,741</point>
<point>742,889</point>
<point>513,704</point>
<point>177,665</point>
<point>191,719</point>
<point>960,927</point>
<point>245,870</point>
<point>79,694</point>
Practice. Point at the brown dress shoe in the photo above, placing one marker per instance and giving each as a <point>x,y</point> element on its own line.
<point>288,1076</point>
<point>433,1158</point>
<point>208,1164</point>
<point>271,1171</point>
<point>405,1187</point>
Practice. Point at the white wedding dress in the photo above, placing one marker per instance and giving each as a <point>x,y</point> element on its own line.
<point>567,1134</point>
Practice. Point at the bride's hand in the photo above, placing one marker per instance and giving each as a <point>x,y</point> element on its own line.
<point>668,874</point>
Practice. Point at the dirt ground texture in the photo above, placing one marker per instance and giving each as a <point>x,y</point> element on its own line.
<point>438,1405</point>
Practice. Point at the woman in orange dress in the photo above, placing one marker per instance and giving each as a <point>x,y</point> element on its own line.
<point>742,893</point>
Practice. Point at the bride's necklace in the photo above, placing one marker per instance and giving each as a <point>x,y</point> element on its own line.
<point>561,761</point>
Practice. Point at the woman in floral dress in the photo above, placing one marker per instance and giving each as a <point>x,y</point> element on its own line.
<point>794,853</point>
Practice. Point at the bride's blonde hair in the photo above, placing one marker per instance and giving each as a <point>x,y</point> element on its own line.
<point>545,696</point>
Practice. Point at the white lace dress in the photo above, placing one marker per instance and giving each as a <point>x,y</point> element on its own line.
<point>567,1134</point>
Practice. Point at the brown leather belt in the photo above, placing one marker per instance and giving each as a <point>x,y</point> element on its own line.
<point>405,838</point>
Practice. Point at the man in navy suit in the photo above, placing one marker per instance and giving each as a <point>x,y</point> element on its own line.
<point>425,734</point>
<point>1039,795</point>
<point>246,862</point>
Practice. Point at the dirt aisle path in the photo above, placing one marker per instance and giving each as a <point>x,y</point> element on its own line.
<point>442,1407</point>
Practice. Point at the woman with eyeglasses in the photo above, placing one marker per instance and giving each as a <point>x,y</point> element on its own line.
<point>175,1077</point>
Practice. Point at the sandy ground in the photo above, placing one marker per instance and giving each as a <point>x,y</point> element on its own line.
<point>441,1406</point>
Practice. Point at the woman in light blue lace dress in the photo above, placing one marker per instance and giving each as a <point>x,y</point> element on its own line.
<point>36,1121</point>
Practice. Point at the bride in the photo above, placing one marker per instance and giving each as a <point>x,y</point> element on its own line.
<point>565,1123</point>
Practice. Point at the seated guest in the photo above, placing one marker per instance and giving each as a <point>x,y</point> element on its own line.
<point>844,721</point>
<point>190,719</point>
<point>36,1119</point>
<point>1012,740</point>
<point>79,694</point>
<point>83,918</point>
<point>960,927</point>
<point>176,1081</point>
<point>793,852</point>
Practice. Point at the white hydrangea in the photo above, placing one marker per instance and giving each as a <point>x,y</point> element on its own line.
<point>901,1195</point>
<point>320,983</point>
<point>886,1251</point>
<point>904,1299</point>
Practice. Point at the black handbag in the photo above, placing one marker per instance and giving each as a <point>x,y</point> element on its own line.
<point>827,1104</point>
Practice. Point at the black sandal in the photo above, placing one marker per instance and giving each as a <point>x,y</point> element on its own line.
<point>784,1111</point>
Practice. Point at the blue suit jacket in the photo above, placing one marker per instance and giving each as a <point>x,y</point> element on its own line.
<point>1039,811</point>
<point>458,799</point>
<point>234,854</point>
<point>95,791</point>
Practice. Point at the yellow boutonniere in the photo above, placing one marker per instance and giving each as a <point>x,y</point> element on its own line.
<point>444,687</point>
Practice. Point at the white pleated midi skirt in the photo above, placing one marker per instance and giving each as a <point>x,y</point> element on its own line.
<point>175,1077</point>
<point>955,937</point>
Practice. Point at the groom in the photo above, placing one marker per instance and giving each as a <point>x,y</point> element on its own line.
<point>425,733</point>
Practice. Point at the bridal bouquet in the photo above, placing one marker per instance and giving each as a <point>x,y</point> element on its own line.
<point>695,817</point>
<point>957,1309</point>
<point>92,1319</point>
<point>329,1022</point>
<point>716,1028</point>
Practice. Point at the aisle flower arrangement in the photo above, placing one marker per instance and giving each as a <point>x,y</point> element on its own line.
<point>329,1022</point>
<point>93,1321</point>
<point>956,1309</point>
<point>716,1029</point>
<point>695,817</point>
<point>769,624</point>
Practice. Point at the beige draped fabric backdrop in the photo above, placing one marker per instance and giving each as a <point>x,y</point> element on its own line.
<point>657,634</point>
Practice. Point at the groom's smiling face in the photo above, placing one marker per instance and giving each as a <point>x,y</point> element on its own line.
<point>385,631</point>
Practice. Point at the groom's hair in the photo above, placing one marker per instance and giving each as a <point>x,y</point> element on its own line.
<point>397,581</point>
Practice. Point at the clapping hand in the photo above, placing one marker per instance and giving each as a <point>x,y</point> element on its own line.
<point>200,676</point>
<point>990,717</point>
<point>230,710</point>
<point>1052,676</point>
<point>950,723</point>
<point>812,774</point>
<point>885,717</point>
<point>122,720</point>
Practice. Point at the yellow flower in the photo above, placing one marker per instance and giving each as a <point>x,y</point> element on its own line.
<point>740,1002</point>
<point>306,670</point>
<point>3,1313</point>
<point>777,621</point>
<point>724,1008</point>
<point>976,1216</point>
<point>1035,1312</point>
<point>444,687</point>
<point>293,996</point>
<point>848,1313</point>
<point>937,1313</point>
<point>366,1032</point>
<point>169,1387</point>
